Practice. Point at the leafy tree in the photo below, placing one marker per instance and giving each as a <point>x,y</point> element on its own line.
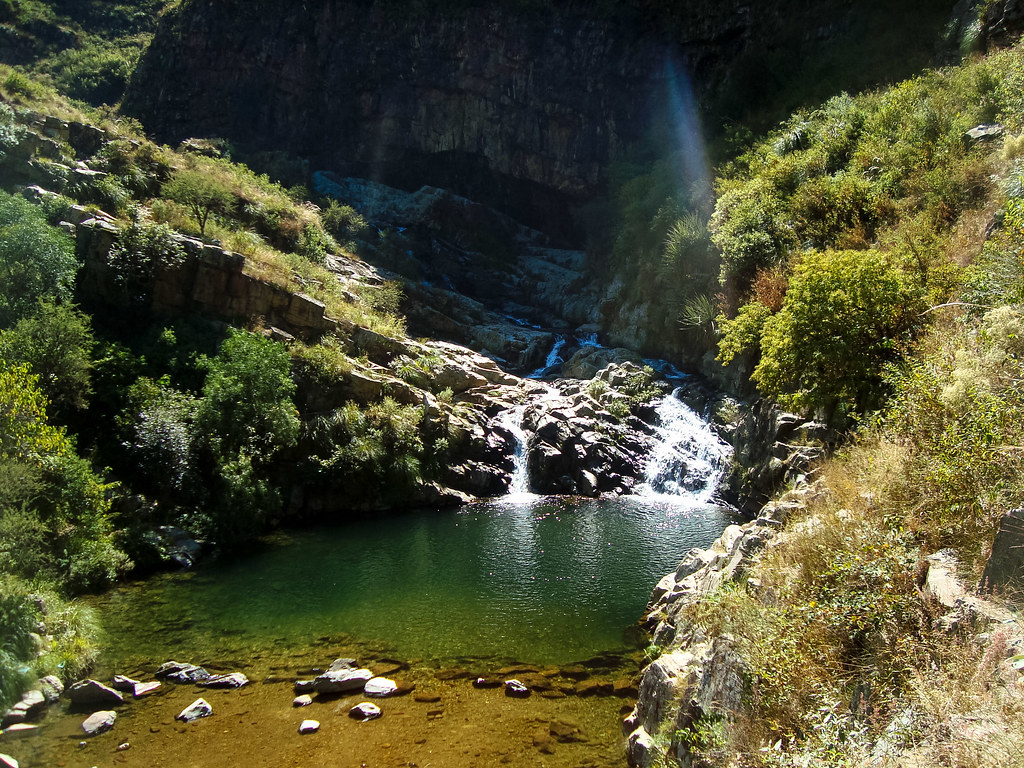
<point>37,260</point>
<point>201,193</point>
<point>845,316</point>
<point>247,403</point>
<point>246,416</point>
<point>743,332</point>
<point>159,434</point>
<point>53,507</point>
<point>56,341</point>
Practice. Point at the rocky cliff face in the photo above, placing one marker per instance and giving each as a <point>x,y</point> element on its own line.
<point>522,110</point>
<point>519,105</point>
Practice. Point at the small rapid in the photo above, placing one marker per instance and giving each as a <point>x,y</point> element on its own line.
<point>689,460</point>
<point>553,360</point>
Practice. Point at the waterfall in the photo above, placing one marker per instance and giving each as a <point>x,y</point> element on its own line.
<point>554,358</point>
<point>690,458</point>
<point>512,420</point>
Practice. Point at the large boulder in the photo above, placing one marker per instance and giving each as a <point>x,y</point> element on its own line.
<point>1005,566</point>
<point>342,681</point>
<point>91,693</point>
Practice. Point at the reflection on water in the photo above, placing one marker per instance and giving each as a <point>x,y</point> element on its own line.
<point>549,581</point>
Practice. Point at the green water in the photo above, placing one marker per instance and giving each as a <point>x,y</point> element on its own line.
<point>544,581</point>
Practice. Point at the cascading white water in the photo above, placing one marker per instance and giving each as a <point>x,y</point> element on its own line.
<point>553,359</point>
<point>690,458</point>
<point>512,420</point>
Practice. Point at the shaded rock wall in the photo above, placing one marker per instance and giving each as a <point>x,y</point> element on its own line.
<point>521,110</point>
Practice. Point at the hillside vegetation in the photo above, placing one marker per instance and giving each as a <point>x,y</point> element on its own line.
<point>116,421</point>
<point>872,272</point>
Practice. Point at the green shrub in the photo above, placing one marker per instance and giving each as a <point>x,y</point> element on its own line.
<point>246,404</point>
<point>56,341</point>
<point>43,475</point>
<point>36,260</point>
<point>846,315</point>
<point>96,73</point>
<point>742,334</point>
<point>374,453</point>
<point>201,194</point>
<point>750,230</point>
<point>158,431</point>
<point>344,222</point>
<point>142,251</point>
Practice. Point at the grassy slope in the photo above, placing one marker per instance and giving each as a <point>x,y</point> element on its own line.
<point>837,615</point>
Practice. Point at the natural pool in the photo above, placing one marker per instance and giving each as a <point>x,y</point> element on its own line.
<point>538,580</point>
<point>522,587</point>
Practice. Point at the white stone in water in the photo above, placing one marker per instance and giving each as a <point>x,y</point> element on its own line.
<point>342,681</point>
<point>6,761</point>
<point>309,726</point>
<point>197,709</point>
<point>302,701</point>
<point>99,722</point>
<point>19,730</point>
<point>380,687</point>
<point>233,680</point>
<point>365,711</point>
<point>124,684</point>
<point>141,689</point>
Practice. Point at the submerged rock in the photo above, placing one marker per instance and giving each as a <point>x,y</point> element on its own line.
<point>197,709</point>
<point>309,726</point>
<point>302,701</point>
<point>91,692</point>
<point>487,682</point>
<point>516,689</point>
<point>380,687</point>
<point>99,722</point>
<point>19,730</point>
<point>182,672</point>
<point>232,680</point>
<point>6,761</point>
<point>344,680</point>
<point>32,702</point>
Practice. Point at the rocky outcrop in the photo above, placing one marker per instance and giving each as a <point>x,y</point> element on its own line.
<point>209,280</point>
<point>1005,564</point>
<point>772,448</point>
<point>1001,22</point>
<point>697,679</point>
<point>577,446</point>
<point>522,108</point>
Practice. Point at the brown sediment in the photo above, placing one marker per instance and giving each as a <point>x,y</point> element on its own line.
<point>257,725</point>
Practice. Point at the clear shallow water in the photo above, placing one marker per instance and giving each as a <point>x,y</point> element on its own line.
<point>539,580</point>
